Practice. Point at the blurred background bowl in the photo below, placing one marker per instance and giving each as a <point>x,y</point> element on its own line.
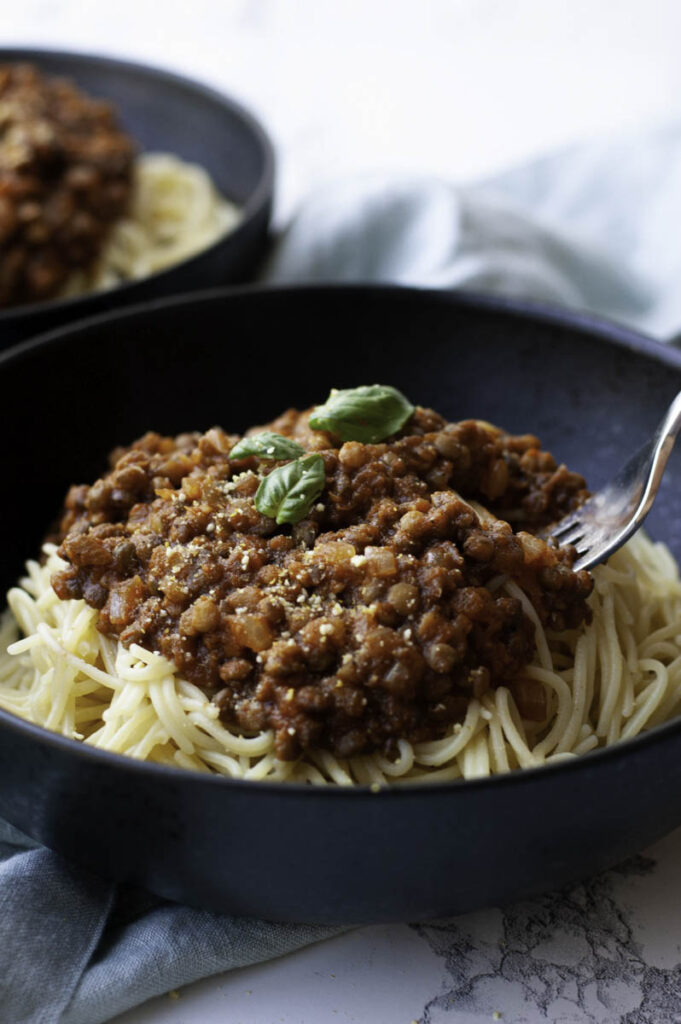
<point>164,112</point>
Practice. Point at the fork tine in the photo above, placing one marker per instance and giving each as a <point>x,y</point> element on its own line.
<point>610,517</point>
<point>568,523</point>
<point>571,536</point>
<point>583,560</point>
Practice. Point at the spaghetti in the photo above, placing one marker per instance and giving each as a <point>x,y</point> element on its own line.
<point>175,212</point>
<point>604,682</point>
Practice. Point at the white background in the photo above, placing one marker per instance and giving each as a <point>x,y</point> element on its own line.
<point>458,88</point>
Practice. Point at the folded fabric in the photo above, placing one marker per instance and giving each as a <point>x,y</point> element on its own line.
<point>621,197</point>
<point>427,233</point>
<point>79,950</point>
<point>593,229</point>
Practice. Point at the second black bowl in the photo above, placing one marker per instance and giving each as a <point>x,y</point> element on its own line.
<point>166,113</point>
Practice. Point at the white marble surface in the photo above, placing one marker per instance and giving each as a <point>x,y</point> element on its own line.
<point>460,88</point>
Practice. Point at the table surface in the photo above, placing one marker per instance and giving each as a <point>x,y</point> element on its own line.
<point>605,951</point>
<point>460,89</point>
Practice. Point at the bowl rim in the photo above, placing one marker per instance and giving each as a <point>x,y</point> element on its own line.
<point>259,198</point>
<point>609,331</point>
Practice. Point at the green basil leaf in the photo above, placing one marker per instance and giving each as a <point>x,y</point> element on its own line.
<point>288,492</point>
<point>267,445</point>
<point>368,413</point>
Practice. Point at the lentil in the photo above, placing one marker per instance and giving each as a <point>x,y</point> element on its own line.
<point>368,621</point>
<point>65,177</point>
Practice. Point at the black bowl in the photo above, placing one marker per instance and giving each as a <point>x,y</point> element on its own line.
<point>166,113</point>
<point>591,390</point>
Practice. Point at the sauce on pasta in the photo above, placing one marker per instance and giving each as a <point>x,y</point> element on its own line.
<point>299,605</point>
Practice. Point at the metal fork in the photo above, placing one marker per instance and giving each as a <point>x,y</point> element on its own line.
<point>609,518</point>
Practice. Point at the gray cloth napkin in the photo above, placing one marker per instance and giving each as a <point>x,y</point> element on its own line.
<point>79,950</point>
<point>592,228</point>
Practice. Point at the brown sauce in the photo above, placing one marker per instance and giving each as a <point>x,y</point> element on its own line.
<point>377,617</point>
<point>65,177</point>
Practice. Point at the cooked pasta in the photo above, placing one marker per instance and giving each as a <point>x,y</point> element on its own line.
<point>175,213</point>
<point>604,682</point>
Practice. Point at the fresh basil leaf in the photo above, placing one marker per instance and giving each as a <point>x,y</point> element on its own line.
<point>288,492</point>
<point>267,445</point>
<point>368,413</point>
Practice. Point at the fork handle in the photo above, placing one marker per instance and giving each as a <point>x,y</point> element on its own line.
<point>667,432</point>
<point>662,445</point>
<point>671,424</point>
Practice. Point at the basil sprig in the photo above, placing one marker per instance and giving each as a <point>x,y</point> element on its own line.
<point>288,492</point>
<point>369,413</point>
<point>267,445</point>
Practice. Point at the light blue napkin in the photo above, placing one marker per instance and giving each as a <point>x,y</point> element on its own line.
<point>79,950</point>
<point>593,228</point>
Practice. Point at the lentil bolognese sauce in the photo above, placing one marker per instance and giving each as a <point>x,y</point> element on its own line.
<point>365,622</point>
<point>361,584</point>
<point>65,177</point>
<point>80,209</point>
